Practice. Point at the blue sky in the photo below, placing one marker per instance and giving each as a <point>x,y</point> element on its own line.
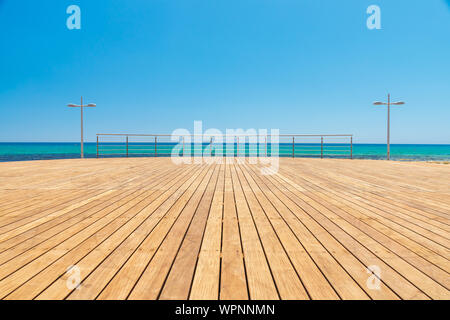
<point>302,66</point>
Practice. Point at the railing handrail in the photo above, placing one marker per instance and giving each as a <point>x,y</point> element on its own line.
<point>226,142</point>
<point>226,135</point>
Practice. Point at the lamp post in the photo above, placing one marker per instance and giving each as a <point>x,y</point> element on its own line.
<point>388,104</point>
<point>81,106</point>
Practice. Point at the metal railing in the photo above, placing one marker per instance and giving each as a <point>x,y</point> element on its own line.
<point>162,145</point>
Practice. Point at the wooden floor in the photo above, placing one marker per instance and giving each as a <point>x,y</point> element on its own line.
<point>149,229</point>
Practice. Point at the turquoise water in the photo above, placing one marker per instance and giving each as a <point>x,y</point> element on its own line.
<point>42,151</point>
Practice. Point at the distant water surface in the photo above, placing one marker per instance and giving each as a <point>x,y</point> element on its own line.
<point>44,151</point>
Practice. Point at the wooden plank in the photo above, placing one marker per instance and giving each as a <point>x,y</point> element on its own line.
<point>233,281</point>
<point>316,283</point>
<point>391,278</point>
<point>357,218</point>
<point>81,243</point>
<point>363,212</point>
<point>180,278</point>
<point>429,287</point>
<point>152,279</point>
<point>89,214</point>
<point>205,284</point>
<point>260,281</point>
<point>286,276</point>
<point>341,268</point>
<point>145,228</point>
<point>418,223</point>
<point>120,271</point>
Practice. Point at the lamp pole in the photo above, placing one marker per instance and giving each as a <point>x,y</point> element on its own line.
<point>81,106</point>
<point>388,104</point>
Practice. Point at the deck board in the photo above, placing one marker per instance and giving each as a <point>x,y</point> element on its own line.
<point>146,228</point>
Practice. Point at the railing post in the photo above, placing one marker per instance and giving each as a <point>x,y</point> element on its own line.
<point>210,148</point>
<point>266,146</point>
<point>321,147</point>
<point>351,147</point>
<point>237,147</point>
<point>127,146</point>
<point>156,153</point>
<point>293,147</point>
<point>258,146</point>
<point>97,146</point>
<point>183,146</point>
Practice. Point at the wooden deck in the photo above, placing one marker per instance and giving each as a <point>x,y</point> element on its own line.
<point>149,229</point>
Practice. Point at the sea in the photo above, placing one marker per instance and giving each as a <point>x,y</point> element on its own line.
<point>25,151</point>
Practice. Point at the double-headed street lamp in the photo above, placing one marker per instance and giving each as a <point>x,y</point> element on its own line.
<point>81,106</point>
<point>389,104</point>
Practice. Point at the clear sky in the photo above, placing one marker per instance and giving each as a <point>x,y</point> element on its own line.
<point>302,66</point>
